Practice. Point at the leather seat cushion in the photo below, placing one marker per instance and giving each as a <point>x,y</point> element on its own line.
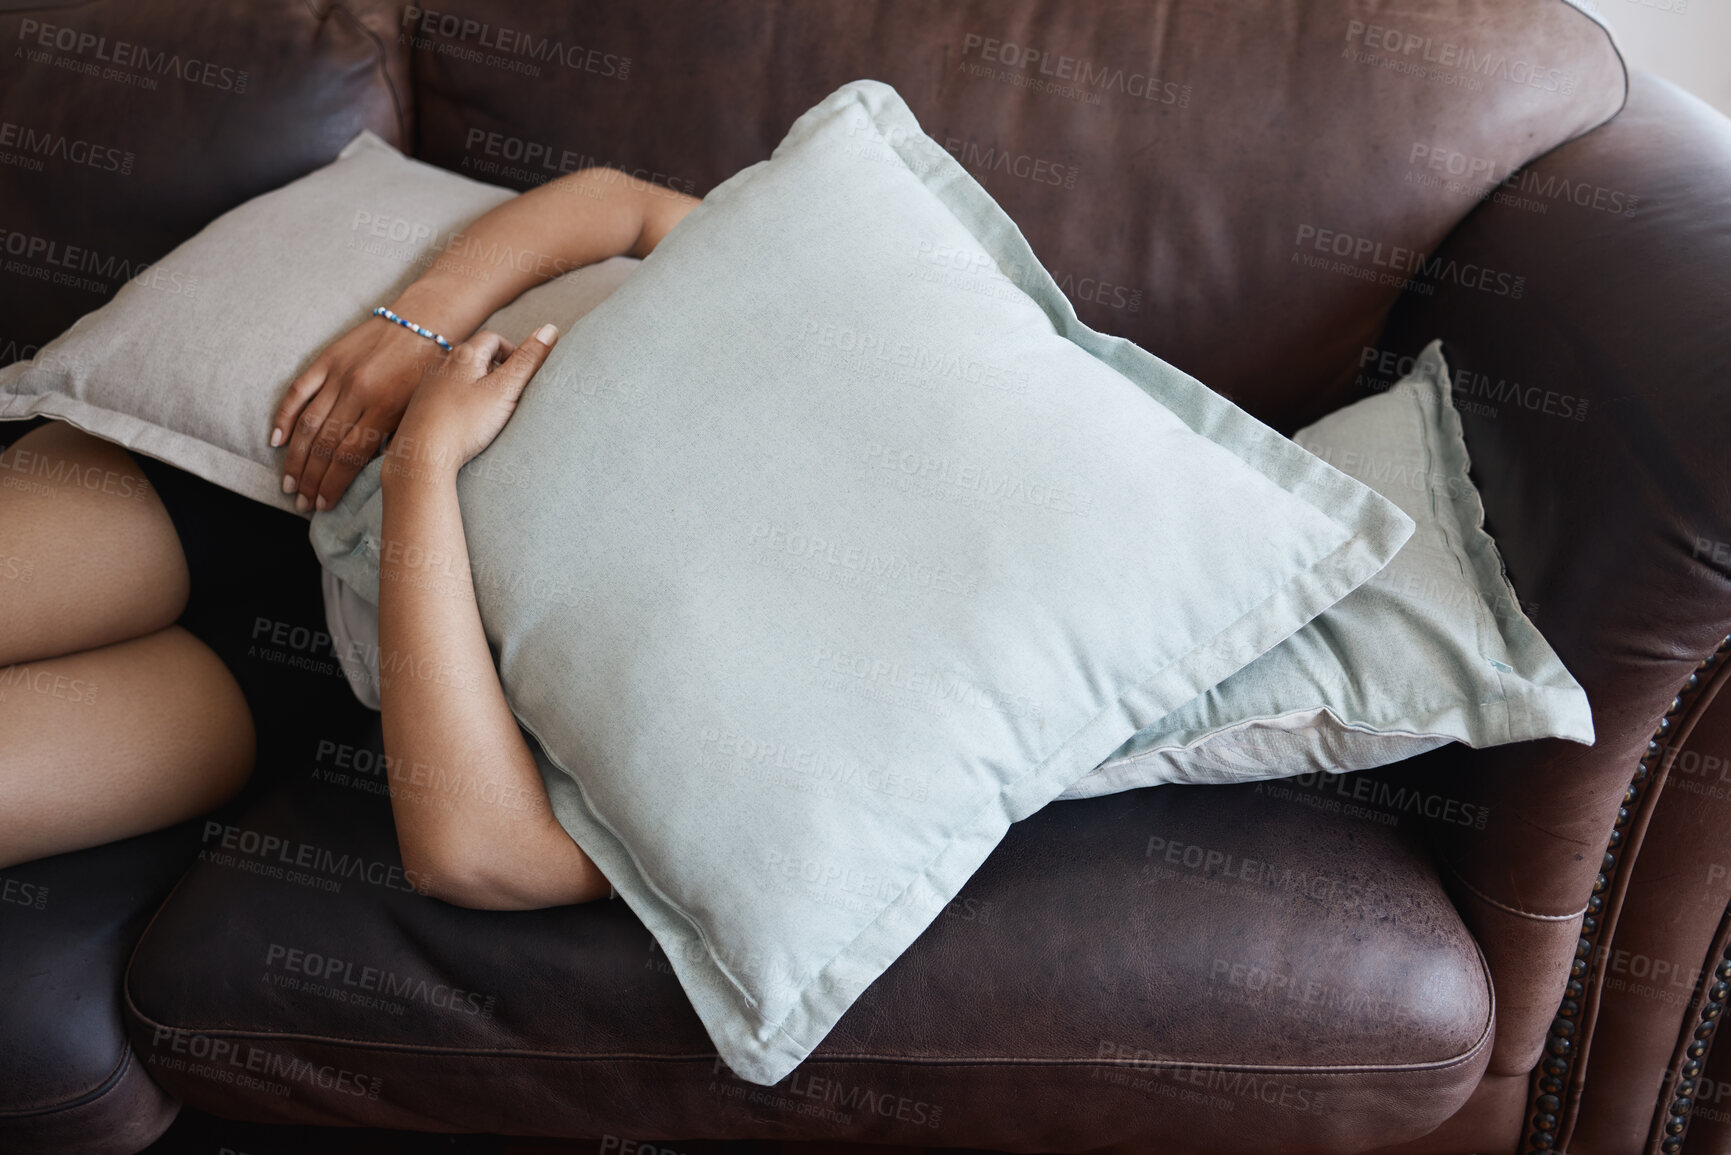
<point>1120,972</point>
<point>68,1078</point>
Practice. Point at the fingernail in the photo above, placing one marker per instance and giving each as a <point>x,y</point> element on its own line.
<point>320,503</point>
<point>301,503</point>
<point>546,333</point>
<point>288,483</point>
<point>275,438</point>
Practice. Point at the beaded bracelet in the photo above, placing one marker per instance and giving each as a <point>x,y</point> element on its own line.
<point>381,311</point>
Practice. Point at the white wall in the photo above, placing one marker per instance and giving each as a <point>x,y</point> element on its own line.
<point>1688,42</point>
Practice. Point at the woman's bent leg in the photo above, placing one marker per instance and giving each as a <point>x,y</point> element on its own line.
<point>88,554</point>
<point>116,741</point>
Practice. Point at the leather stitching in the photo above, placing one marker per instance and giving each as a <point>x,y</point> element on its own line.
<point>1485,1036</point>
<point>83,1099</point>
<point>1622,62</point>
<point>1503,906</point>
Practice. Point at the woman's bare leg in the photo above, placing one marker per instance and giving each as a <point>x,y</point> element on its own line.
<point>88,555</point>
<point>113,721</point>
<point>116,741</point>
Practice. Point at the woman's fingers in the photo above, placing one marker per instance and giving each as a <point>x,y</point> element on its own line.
<point>306,428</point>
<point>300,391</point>
<point>474,357</point>
<point>342,420</point>
<point>521,365</point>
<point>366,434</point>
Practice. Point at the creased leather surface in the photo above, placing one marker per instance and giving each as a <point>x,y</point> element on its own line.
<point>1489,1124</point>
<point>1306,973</point>
<point>67,923</point>
<point>151,119</point>
<point>1600,519</point>
<point>1172,220</point>
<point>1710,1120</point>
<point>1653,966</point>
<point>1191,212</point>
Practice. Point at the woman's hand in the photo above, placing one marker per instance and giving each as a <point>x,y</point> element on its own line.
<point>338,413</point>
<point>463,402</point>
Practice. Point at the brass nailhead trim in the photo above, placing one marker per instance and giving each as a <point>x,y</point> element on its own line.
<point>1545,1104</point>
<point>1684,1077</point>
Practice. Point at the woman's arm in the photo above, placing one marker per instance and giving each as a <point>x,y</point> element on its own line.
<point>473,819</point>
<point>337,414</point>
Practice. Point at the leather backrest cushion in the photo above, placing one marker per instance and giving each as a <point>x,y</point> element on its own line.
<point>1233,186</point>
<point>1239,187</point>
<point>127,127</point>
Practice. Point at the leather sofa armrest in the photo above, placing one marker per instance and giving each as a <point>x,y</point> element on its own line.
<point>1585,310</point>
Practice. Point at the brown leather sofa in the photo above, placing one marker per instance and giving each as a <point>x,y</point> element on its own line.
<point>1521,949</point>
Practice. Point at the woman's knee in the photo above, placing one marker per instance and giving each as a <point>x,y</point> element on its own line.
<point>117,741</point>
<point>90,551</point>
<point>218,741</point>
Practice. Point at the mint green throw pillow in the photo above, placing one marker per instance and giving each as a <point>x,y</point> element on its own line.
<point>885,552</point>
<point>1433,649</point>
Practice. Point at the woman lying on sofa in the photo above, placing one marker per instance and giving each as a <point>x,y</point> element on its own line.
<point>118,722</point>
